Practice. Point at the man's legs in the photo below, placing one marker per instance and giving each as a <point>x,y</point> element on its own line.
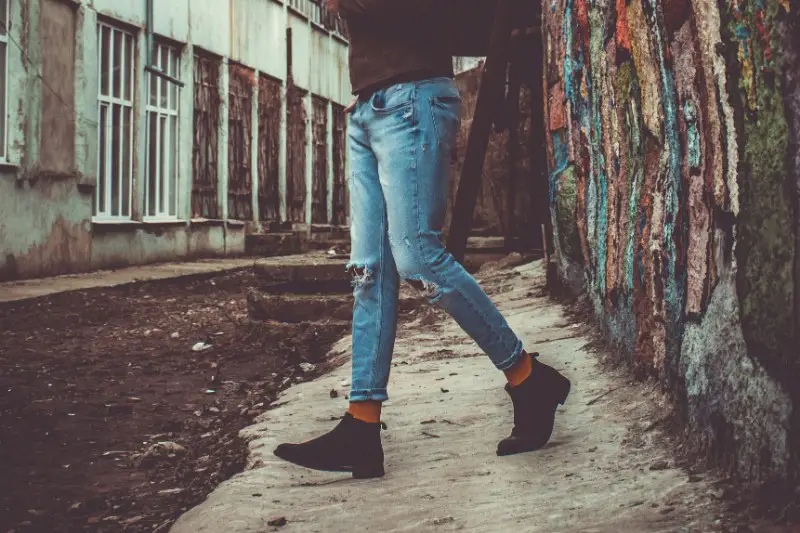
<point>412,129</point>
<point>406,133</point>
<point>412,143</point>
<point>354,445</point>
<point>375,279</point>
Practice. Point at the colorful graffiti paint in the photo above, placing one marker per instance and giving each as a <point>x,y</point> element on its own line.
<point>668,171</point>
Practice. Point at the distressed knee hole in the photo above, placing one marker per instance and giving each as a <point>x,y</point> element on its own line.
<point>429,289</point>
<point>361,275</point>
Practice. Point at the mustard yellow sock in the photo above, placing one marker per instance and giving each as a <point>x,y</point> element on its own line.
<point>369,411</point>
<point>520,371</point>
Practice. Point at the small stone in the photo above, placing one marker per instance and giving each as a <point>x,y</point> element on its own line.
<point>307,367</point>
<point>162,451</point>
<point>445,391</point>
<point>334,393</point>
<point>257,495</point>
<point>278,521</point>
<point>592,449</point>
<point>659,465</point>
<point>131,521</point>
<point>76,507</point>
<point>168,492</point>
<point>175,335</point>
<point>345,383</point>
<point>112,518</point>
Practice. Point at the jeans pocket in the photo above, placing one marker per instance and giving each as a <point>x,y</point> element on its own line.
<point>393,98</point>
<point>446,118</point>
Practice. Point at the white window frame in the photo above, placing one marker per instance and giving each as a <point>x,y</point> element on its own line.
<point>109,102</point>
<point>302,6</point>
<point>4,119</point>
<point>165,110</point>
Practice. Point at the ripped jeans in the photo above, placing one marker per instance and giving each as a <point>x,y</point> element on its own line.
<point>401,140</point>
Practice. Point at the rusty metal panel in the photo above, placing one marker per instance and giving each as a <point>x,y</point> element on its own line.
<point>57,152</point>
<point>240,134</point>
<point>296,119</point>
<point>340,199</point>
<point>319,182</point>
<point>269,144</point>
<point>205,202</point>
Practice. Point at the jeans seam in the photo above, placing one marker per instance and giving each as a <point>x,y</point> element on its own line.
<point>382,274</point>
<point>435,126</point>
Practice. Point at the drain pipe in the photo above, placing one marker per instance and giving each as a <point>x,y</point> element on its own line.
<point>150,49</point>
<point>150,64</point>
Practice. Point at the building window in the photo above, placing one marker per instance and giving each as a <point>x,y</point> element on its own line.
<point>3,78</point>
<point>161,197</point>
<point>113,198</point>
<point>205,142</point>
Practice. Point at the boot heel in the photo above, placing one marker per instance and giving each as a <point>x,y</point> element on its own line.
<point>368,471</point>
<point>562,389</point>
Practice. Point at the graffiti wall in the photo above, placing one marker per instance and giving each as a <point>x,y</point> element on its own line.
<point>672,193</point>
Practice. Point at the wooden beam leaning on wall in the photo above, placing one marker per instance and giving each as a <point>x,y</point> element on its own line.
<point>490,97</point>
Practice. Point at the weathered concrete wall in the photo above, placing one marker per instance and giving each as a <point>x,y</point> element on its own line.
<point>45,219</point>
<point>49,175</point>
<point>673,204</point>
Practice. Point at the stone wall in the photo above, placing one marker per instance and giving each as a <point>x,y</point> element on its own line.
<point>672,150</point>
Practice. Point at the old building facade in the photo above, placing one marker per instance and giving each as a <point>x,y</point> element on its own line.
<point>145,131</point>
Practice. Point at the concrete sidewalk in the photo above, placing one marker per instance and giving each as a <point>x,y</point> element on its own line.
<point>304,267</point>
<point>606,470</point>
<point>11,291</point>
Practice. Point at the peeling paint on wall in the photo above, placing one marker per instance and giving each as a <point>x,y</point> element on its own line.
<point>670,191</point>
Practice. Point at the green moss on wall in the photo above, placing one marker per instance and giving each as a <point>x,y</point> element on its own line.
<point>565,215</point>
<point>765,244</point>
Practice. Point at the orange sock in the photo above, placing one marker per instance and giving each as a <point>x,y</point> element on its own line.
<point>520,371</point>
<point>369,411</point>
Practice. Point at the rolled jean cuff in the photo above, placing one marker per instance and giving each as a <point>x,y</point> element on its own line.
<point>369,395</point>
<point>512,360</point>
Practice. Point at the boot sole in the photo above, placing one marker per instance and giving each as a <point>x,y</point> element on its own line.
<point>359,472</point>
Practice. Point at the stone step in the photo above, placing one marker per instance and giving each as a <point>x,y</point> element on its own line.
<point>274,244</point>
<point>295,308</point>
<point>311,267</point>
<point>296,241</point>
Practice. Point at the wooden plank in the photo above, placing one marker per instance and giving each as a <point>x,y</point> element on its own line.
<point>489,98</point>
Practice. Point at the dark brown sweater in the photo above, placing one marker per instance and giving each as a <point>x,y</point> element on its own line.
<point>394,41</point>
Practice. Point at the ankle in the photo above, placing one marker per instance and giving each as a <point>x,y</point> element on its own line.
<point>369,411</point>
<point>518,373</point>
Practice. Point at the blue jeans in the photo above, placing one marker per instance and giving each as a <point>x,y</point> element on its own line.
<point>401,141</point>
